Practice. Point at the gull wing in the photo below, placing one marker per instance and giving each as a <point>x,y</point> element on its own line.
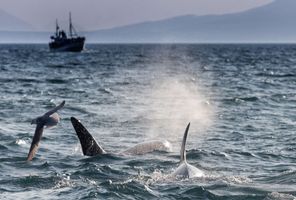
<point>55,109</point>
<point>35,141</point>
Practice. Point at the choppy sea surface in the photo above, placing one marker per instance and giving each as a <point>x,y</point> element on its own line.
<point>240,100</point>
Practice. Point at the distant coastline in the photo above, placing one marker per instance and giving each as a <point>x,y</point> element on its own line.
<point>266,24</point>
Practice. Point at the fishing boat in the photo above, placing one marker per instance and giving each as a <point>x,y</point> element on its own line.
<point>61,42</point>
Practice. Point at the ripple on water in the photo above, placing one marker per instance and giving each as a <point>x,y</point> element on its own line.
<point>246,152</point>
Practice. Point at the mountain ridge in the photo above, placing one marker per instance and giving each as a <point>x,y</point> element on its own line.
<point>271,22</point>
<point>9,22</point>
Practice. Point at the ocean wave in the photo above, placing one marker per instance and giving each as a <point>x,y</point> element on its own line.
<point>57,81</point>
<point>245,153</point>
<point>279,196</point>
<point>276,75</point>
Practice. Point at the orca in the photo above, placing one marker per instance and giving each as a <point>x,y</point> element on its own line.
<point>90,147</point>
<point>185,170</point>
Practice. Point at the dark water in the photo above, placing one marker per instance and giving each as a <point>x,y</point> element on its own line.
<point>240,99</point>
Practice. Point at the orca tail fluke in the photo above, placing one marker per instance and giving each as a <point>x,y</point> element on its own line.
<point>183,150</point>
<point>89,145</point>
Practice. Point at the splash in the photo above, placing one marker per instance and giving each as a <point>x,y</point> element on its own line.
<point>20,142</point>
<point>279,196</point>
<point>64,181</point>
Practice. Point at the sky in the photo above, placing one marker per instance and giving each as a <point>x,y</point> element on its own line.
<point>100,14</point>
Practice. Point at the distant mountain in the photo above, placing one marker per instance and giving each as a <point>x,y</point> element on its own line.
<point>24,37</point>
<point>274,22</point>
<point>11,23</point>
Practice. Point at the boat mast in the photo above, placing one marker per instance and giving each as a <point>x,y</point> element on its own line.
<point>70,25</point>
<point>57,28</point>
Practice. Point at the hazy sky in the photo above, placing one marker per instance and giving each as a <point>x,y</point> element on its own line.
<point>98,14</point>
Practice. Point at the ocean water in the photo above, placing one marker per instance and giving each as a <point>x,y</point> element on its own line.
<point>240,100</point>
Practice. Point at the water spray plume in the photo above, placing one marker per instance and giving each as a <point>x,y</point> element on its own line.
<point>174,103</point>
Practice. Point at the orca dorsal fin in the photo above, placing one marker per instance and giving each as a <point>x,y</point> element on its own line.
<point>183,150</point>
<point>89,145</point>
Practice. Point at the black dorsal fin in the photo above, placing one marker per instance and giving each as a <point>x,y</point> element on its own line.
<point>89,145</point>
<point>183,150</point>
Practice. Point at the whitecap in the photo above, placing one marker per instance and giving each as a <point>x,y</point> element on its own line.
<point>279,196</point>
<point>65,181</point>
<point>20,142</point>
<point>151,191</point>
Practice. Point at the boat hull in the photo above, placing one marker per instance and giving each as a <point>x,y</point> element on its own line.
<point>68,45</point>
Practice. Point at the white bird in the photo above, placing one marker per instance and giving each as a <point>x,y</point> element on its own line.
<point>49,119</point>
